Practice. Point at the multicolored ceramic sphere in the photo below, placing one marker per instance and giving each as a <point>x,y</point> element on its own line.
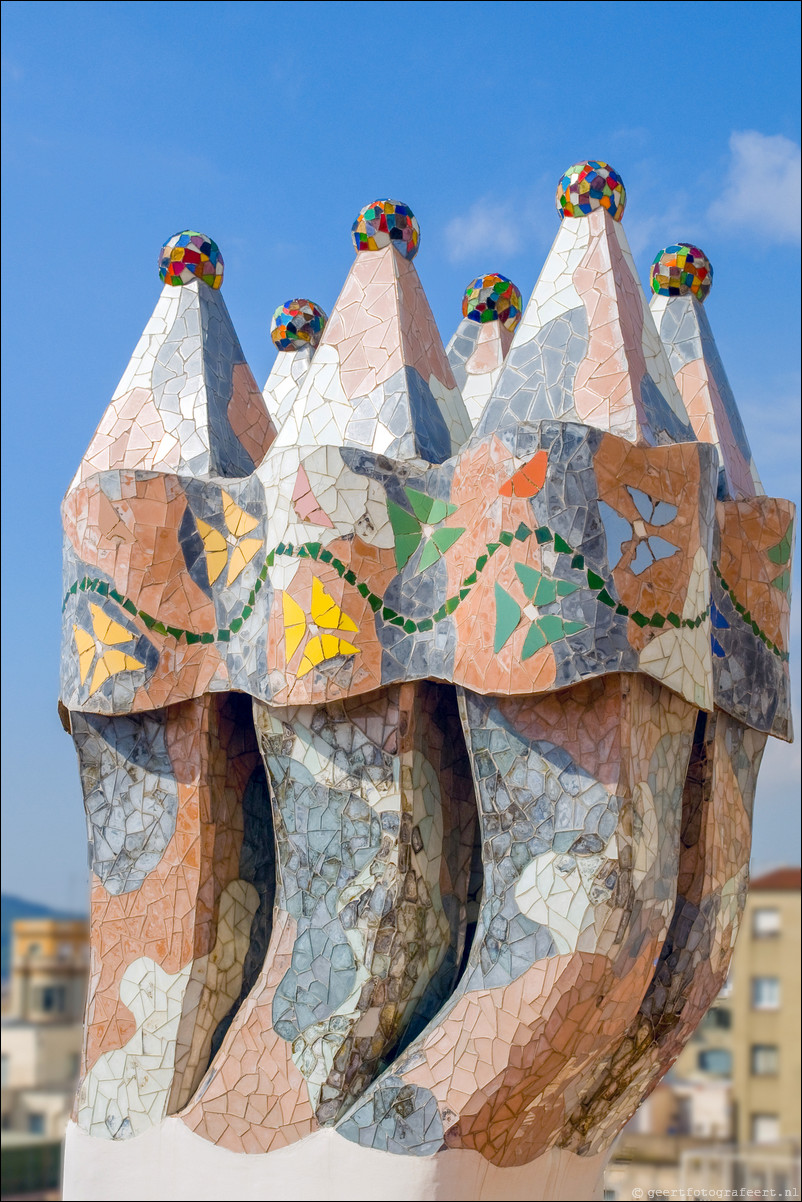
<point>588,186</point>
<point>492,298</point>
<point>191,256</point>
<point>297,323</point>
<point>385,222</point>
<point>681,269</point>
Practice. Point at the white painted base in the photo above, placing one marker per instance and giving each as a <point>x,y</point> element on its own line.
<point>171,1162</point>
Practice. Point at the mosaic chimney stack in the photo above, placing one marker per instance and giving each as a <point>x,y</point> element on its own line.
<point>187,402</point>
<point>418,740</point>
<point>491,310</point>
<point>586,349</point>
<point>295,330</point>
<point>681,278</point>
<point>167,786</point>
<point>380,375</point>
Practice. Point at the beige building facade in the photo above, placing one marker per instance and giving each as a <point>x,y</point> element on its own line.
<point>42,1026</point>
<point>727,1116</point>
<point>766,1016</point>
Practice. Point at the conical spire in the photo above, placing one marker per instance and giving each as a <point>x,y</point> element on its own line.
<point>296,329</point>
<point>187,402</point>
<point>586,349</point>
<point>491,310</point>
<point>681,278</point>
<point>380,379</point>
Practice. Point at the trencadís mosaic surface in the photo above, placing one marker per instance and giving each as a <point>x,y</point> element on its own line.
<point>419,700</point>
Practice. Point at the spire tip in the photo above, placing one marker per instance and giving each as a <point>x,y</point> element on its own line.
<point>384,222</point>
<point>588,186</point>
<point>189,256</point>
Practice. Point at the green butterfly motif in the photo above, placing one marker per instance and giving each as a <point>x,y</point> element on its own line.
<point>408,528</point>
<point>547,628</point>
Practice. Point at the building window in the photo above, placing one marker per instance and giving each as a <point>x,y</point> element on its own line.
<point>719,1017</point>
<point>765,993</point>
<point>6,1062</point>
<point>765,1128</point>
<point>36,1124</point>
<point>53,999</point>
<point>764,1060</point>
<point>765,922</point>
<point>716,1061</point>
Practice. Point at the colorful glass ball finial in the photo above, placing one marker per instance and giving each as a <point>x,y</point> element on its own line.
<point>384,222</point>
<point>681,269</point>
<point>189,256</point>
<point>588,186</point>
<point>296,324</point>
<point>492,298</point>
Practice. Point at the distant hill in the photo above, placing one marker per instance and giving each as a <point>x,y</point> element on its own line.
<point>12,908</point>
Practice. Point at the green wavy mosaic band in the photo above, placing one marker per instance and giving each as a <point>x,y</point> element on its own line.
<point>316,551</point>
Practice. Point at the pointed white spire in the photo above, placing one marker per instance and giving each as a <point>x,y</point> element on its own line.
<point>681,277</point>
<point>187,402</point>
<point>586,349</point>
<point>491,310</point>
<point>296,329</point>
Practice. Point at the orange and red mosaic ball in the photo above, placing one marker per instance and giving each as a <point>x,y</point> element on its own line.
<point>681,269</point>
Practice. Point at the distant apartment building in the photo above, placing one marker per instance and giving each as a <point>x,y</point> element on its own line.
<point>766,1015</point>
<point>749,1040</point>
<point>727,1116</point>
<point>42,1025</point>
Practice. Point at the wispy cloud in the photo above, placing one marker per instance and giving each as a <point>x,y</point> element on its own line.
<point>631,136</point>
<point>11,70</point>
<point>761,190</point>
<point>756,182</point>
<point>756,185</point>
<point>647,233</point>
<point>774,433</point>
<point>484,229</point>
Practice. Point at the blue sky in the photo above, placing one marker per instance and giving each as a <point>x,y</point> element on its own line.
<point>268,126</point>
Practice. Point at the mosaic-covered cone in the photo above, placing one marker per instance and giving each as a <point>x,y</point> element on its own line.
<point>693,356</point>
<point>476,353</point>
<point>380,379</point>
<point>187,402</point>
<point>586,349</point>
<point>284,382</point>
